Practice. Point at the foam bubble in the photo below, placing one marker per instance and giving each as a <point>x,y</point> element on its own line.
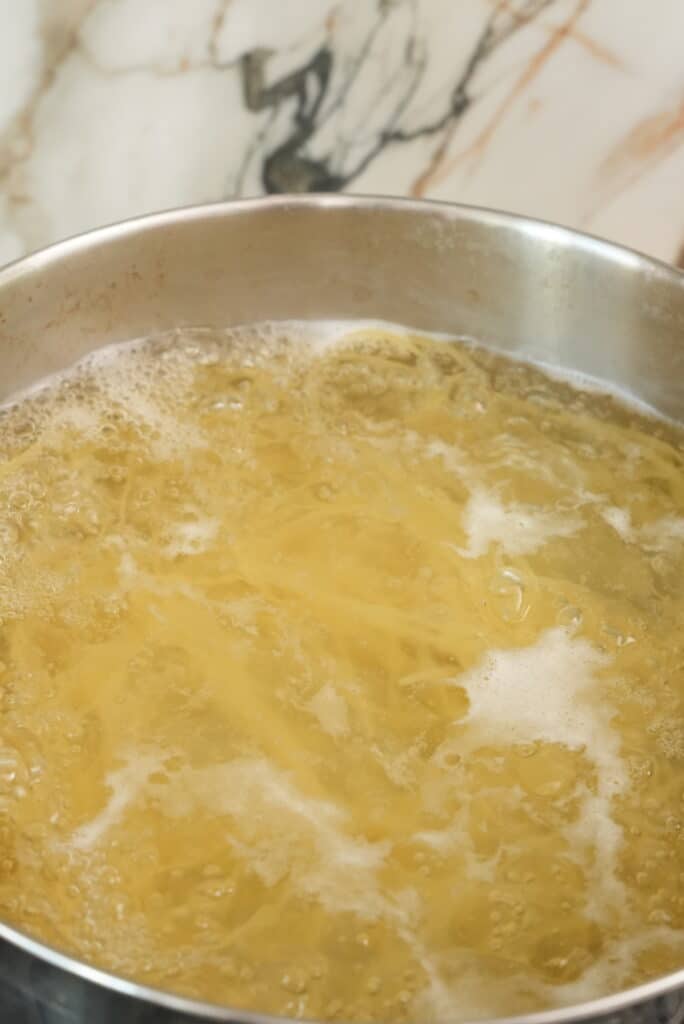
<point>545,692</point>
<point>620,520</point>
<point>517,529</point>
<point>191,538</point>
<point>125,784</point>
<point>330,708</point>
<point>266,806</point>
<point>548,693</point>
<point>664,534</point>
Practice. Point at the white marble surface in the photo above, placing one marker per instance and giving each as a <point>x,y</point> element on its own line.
<point>572,110</point>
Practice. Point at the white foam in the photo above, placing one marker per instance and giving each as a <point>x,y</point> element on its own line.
<point>661,535</point>
<point>610,971</point>
<point>125,379</point>
<point>620,520</point>
<point>452,457</point>
<point>319,335</point>
<point>104,355</point>
<point>547,693</point>
<point>456,838</point>
<point>542,693</point>
<point>330,708</point>
<point>80,418</point>
<point>129,573</point>
<point>270,816</point>
<point>595,839</point>
<point>126,783</point>
<point>323,335</point>
<point>477,993</point>
<point>664,534</point>
<point>517,529</point>
<point>191,538</point>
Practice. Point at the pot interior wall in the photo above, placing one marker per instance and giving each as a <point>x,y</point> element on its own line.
<point>519,285</point>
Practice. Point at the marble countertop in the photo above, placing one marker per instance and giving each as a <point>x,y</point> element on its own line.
<point>571,110</point>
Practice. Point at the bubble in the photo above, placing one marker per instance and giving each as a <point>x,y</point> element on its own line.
<point>12,769</point>
<point>295,981</point>
<point>233,403</point>
<point>10,533</point>
<point>324,492</point>
<point>570,615</point>
<point>509,586</point>
<point>20,499</point>
<point>618,638</point>
<point>117,474</point>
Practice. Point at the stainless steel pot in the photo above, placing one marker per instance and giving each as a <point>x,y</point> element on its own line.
<point>520,285</point>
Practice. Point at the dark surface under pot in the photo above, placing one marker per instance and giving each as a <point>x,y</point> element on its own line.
<point>33,991</point>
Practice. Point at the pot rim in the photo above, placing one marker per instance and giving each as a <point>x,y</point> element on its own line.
<point>535,227</point>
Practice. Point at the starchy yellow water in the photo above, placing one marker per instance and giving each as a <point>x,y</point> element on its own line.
<point>342,676</point>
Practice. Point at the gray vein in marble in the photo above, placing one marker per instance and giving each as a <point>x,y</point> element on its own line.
<point>293,166</point>
<point>115,107</point>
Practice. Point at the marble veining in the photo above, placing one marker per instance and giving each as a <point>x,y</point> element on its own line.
<point>572,110</point>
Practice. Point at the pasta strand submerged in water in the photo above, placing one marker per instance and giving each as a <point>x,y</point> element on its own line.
<point>342,674</point>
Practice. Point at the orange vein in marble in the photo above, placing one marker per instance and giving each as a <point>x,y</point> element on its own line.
<point>597,50</point>
<point>423,181</point>
<point>650,141</point>
<point>439,167</point>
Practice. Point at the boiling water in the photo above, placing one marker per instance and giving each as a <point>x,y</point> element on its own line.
<point>342,675</point>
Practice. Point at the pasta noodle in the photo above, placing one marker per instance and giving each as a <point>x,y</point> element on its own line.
<point>342,674</point>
